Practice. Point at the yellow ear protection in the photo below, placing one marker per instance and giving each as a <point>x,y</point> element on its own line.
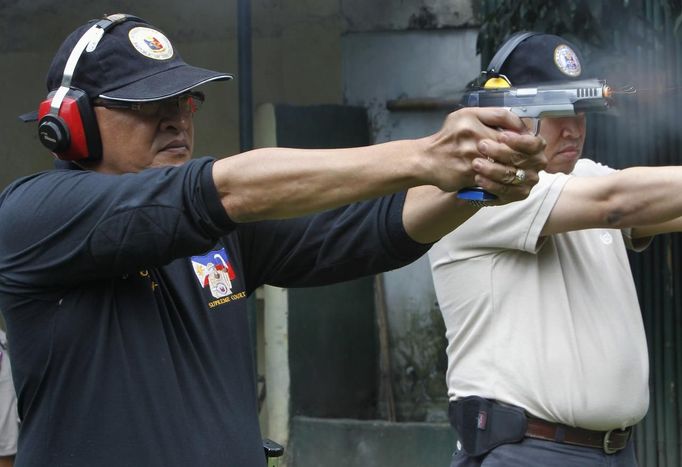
<point>67,124</point>
<point>497,82</point>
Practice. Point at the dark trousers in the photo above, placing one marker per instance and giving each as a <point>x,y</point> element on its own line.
<point>539,453</point>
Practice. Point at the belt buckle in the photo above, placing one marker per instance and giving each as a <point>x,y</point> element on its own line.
<point>607,440</point>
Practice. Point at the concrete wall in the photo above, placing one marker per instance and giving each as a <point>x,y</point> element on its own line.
<point>297,51</point>
<point>356,443</point>
<point>399,15</point>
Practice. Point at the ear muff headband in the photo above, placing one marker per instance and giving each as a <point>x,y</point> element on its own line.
<point>505,51</point>
<point>67,123</point>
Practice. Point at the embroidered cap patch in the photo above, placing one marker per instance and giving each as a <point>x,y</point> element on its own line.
<point>567,61</point>
<point>151,43</point>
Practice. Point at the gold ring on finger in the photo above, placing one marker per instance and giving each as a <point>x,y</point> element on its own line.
<point>519,177</point>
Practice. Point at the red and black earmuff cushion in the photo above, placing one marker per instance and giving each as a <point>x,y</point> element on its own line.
<point>73,133</point>
<point>70,129</point>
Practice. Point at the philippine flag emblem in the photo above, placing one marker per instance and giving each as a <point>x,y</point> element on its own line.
<point>213,270</point>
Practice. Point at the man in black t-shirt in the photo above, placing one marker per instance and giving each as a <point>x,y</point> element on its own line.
<point>124,275</point>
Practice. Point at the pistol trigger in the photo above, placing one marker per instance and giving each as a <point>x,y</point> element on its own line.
<point>536,126</point>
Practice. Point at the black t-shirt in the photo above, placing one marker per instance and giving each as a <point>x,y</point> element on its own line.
<point>125,300</point>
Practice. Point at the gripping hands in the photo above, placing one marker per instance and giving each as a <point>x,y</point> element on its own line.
<point>472,148</point>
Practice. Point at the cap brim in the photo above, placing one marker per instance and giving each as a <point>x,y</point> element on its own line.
<point>167,83</point>
<point>29,117</point>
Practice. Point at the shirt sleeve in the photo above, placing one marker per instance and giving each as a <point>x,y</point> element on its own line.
<point>513,226</point>
<point>70,226</point>
<point>590,168</point>
<point>332,246</point>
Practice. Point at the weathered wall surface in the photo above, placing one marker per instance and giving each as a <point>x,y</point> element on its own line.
<point>399,15</point>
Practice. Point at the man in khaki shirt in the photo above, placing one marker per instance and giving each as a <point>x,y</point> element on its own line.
<point>547,356</point>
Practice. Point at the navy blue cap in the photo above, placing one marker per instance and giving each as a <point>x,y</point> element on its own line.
<point>133,61</point>
<point>542,58</point>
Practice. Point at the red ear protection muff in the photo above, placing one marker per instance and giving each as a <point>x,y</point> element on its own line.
<point>66,120</point>
<point>72,133</point>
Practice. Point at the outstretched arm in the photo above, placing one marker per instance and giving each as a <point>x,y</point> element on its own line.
<point>274,183</point>
<point>645,198</point>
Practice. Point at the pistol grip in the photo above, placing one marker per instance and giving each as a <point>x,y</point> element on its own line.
<point>475,195</point>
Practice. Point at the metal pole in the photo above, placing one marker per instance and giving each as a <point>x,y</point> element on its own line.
<point>244,76</point>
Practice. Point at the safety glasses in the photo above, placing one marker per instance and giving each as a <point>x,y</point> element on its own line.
<point>185,104</point>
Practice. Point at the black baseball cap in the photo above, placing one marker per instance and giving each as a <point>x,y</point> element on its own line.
<point>133,61</point>
<point>542,58</point>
